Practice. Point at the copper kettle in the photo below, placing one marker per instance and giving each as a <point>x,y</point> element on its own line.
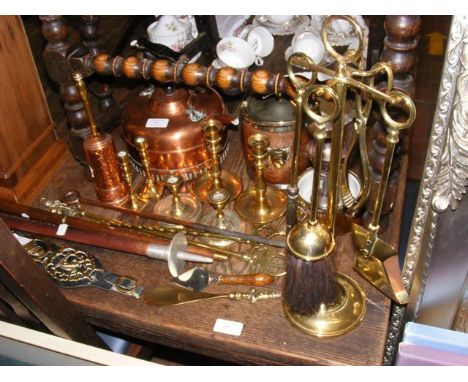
<point>170,118</point>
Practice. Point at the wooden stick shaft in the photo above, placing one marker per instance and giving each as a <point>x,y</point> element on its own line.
<point>260,81</point>
<point>82,231</point>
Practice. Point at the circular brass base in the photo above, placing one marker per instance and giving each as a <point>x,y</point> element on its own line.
<point>188,209</point>
<point>334,320</point>
<point>230,222</point>
<point>204,184</point>
<point>250,208</point>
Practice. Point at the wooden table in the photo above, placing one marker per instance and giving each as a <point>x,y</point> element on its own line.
<point>267,337</point>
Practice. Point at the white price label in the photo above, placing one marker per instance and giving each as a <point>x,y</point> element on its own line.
<point>62,229</point>
<point>158,123</point>
<point>22,240</point>
<point>233,328</point>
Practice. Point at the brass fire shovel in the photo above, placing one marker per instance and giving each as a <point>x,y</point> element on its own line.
<point>377,261</point>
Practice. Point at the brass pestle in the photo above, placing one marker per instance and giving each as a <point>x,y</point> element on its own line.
<point>261,203</point>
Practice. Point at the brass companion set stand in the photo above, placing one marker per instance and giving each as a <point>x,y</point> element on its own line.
<point>194,209</point>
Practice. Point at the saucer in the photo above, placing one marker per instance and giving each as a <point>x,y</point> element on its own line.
<point>281,29</point>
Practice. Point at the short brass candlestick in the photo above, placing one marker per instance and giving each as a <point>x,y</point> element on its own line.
<point>150,190</point>
<point>215,178</point>
<point>260,204</point>
<point>178,205</point>
<point>136,203</point>
<point>220,218</point>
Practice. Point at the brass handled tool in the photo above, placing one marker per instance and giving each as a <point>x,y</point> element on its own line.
<point>261,203</point>
<point>150,190</point>
<point>377,261</point>
<point>353,204</point>
<point>100,153</point>
<point>175,253</point>
<point>198,279</point>
<point>215,178</point>
<point>136,203</point>
<point>175,296</point>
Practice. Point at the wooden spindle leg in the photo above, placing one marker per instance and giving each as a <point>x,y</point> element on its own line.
<point>59,45</point>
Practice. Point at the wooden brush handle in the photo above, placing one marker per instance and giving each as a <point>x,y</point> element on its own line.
<point>255,279</point>
<point>259,81</point>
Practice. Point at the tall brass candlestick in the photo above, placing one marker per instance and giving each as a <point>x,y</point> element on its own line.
<point>136,203</point>
<point>150,190</point>
<point>261,203</point>
<point>215,178</point>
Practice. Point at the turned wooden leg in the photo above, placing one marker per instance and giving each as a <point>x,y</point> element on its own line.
<point>59,45</point>
<point>400,48</point>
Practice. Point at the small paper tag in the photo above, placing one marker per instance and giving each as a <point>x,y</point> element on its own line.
<point>233,328</point>
<point>158,123</point>
<point>22,240</point>
<point>62,229</point>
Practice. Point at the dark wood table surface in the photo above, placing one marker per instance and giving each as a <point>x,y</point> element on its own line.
<point>267,337</point>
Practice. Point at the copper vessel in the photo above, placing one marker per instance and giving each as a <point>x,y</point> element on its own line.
<point>273,117</point>
<point>101,157</point>
<point>170,120</point>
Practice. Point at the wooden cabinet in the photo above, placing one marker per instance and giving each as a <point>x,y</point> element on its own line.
<point>29,150</point>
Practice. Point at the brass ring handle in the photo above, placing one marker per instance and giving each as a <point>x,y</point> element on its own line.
<point>320,91</point>
<point>378,68</point>
<point>399,97</point>
<point>302,61</point>
<point>351,56</point>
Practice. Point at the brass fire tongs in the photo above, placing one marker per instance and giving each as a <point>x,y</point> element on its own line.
<point>353,204</point>
<point>377,261</point>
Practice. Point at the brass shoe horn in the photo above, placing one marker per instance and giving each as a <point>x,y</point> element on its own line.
<point>377,261</point>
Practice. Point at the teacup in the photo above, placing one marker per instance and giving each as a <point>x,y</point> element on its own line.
<point>236,53</point>
<point>259,38</point>
<point>170,31</point>
<point>310,44</point>
<point>279,19</point>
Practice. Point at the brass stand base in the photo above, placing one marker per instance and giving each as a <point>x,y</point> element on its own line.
<point>230,221</point>
<point>188,209</point>
<point>250,208</point>
<point>335,320</point>
<point>205,183</point>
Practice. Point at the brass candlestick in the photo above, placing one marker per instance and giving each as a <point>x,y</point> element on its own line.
<point>220,218</point>
<point>178,205</point>
<point>216,178</point>
<point>136,203</point>
<point>150,190</point>
<point>261,203</point>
